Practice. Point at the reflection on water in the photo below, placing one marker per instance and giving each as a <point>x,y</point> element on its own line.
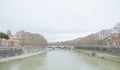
<point>61,60</point>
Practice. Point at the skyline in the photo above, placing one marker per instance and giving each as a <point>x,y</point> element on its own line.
<point>59,20</point>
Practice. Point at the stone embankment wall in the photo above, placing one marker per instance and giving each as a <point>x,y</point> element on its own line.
<point>8,51</point>
<point>114,50</point>
<point>28,50</point>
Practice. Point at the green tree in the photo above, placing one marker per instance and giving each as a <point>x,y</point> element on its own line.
<point>3,35</point>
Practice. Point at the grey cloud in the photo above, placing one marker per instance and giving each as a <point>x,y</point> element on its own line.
<point>58,17</point>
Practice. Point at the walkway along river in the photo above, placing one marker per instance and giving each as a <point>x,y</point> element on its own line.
<point>61,60</point>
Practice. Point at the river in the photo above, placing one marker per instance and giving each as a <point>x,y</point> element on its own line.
<point>61,60</point>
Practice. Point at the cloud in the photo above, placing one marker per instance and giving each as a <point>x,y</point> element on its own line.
<point>59,19</point>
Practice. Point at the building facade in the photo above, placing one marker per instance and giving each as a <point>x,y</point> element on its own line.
<point>24,39</point>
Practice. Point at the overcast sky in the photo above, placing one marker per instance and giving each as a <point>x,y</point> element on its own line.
<point>59,20</point>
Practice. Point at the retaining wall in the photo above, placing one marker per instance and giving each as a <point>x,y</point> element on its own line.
<point>8,51</point>
<point>110,50</point>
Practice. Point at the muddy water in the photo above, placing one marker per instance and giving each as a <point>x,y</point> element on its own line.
<point>61,60</point>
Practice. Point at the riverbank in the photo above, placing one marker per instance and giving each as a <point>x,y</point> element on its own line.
<point>112,50</point>
<point>22,56</point>
<point>99,54</point>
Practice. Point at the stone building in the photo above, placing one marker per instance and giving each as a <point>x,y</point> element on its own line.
<point>24,39</point>
<point>112,40</point>
<point>28,39</point>
<point>104,34</point>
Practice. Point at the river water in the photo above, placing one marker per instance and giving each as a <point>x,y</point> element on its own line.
<point>61,60</point>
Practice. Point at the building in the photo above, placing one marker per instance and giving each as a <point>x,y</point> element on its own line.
<point>113,39</point>
<point>24,39</point>
<point>104,33</point>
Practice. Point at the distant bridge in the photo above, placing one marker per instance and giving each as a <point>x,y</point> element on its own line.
<point>60,46</point>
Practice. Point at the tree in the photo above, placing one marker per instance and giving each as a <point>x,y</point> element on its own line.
<point>3,35</point>
<point>117,28</point>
